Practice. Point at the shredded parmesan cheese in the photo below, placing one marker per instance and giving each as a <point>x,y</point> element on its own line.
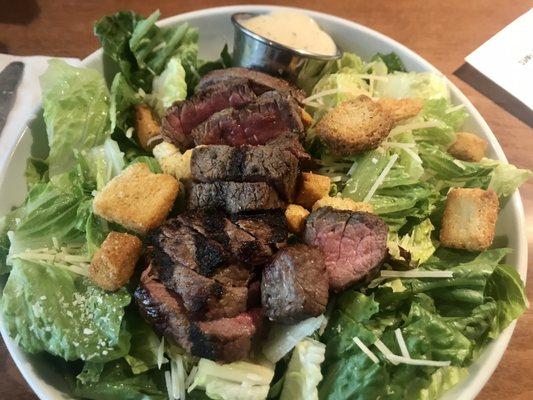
<point>459,164</point>
<point>385,350</point>
<point>160,353</point>
<point>401,343</point>
<point>454,108</point>
<point>407,147</point>
<point>380,178</point>
<point>416,274</point>
<point>366,350</point>
<point>412,361</point>
<point>415,125</point>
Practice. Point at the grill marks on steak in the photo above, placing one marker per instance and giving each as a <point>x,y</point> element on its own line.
<point>225,339</point>
<point>259,81</point>
<point>272,164</point>
<point>270,115</point>
<point>354,244</point>
<point>183,116</point>
<point>295,285</point>
<point>233,197</point>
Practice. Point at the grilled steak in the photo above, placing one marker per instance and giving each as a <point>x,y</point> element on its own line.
<point>354,244</point>
<point>295,285</point>
<point>269,116</point>
<point>290,141</point>
<point>184,115</point>
<point>226,339</point>
<point>268,227</point>
<point>259,81</point>
<point>271,164</point>
<point>233,197</point>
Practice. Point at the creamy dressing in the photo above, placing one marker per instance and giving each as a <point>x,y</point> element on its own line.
<point>294,30</point>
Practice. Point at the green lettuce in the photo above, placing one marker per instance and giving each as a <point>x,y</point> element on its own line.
<point>303,372</point>
<point>506,178</point>
<point>422,85</point>
<point>76,105</point>
<point>48,309</point>
<point>121,111</point>
<point>144,344</point>
<point>391,60</point>
<point>170,86</point>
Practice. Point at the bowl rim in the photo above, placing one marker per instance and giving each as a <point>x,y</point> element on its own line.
<point>44,390</point>
<point>279,46</point>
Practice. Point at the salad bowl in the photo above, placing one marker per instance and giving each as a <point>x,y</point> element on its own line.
<point>215,30</point>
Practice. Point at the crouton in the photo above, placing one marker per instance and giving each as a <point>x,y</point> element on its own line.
<point>172,161</point>
<point>354,126</point>
<point>113,264</point>
<point>296,215</point>
<point>307,120</point>
<point>312,187</point>
<point>137,199</point>
<point>146,126</point>
<point>401,109</point>
<point>468,147</point>
<point>342,203</point>
<point>469,219</point>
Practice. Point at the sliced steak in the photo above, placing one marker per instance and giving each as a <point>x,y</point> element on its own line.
<point>290,141</point>
<point>271,164</point>
<point>268,227</point>
<point>260,81</point>
<point>227,339</point>
<point>233,197</point>
<point>213,224</point>
<point>354,244</point>
<point>262,120</point>
<point>183,116</point>
<point>162,309</point>
<point>295,285</point>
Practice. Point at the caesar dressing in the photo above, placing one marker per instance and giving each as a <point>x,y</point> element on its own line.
<point>294,30</point>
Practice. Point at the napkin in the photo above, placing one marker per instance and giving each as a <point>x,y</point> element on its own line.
<point>507,58</point>
<point>27,100</point>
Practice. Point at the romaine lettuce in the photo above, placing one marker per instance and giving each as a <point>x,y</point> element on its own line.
<point>421,85</point>
<point>76,105</point>
<point>170,86</point>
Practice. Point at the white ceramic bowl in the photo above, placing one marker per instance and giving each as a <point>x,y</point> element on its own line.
<point>216,30</point>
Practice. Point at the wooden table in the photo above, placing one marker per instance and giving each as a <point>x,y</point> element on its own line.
<point>441,31</point>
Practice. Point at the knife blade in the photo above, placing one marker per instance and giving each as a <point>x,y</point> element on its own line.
<point>10,78</point>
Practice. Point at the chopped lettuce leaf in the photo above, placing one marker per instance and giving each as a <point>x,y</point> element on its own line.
<point>237,380</point>
<point>506,178</point>
<point>170,86</point>
<point>105,162</point>
<point>303,372</point>
<point>123,98</point>
<point>421,85</point>
<point>76,105</point>
<point>282,338</point>
<point>419,243</point>
<point>145,344</point>
<point>391,60</point>
<point>116,381</point>
<point>48,309</point>
<point>453,116</point>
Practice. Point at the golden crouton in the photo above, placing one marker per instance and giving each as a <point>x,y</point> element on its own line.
<point>137,199</point>
<point>343,203</point>
<point>401,109</point>
<point>146,126</point>
<point>307,120</point>
<point>296,216</point>
<point>354,126</point>
<point>312,187</point>
<point>469,219</point>
<point>112,266</point>
<point>468,147</point>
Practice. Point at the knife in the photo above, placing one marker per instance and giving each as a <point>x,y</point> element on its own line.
<point>10,78</point>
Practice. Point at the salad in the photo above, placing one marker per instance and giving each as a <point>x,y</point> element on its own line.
<point>409,330</point>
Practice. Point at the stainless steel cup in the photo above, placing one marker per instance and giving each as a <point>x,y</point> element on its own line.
<point>251,50</point>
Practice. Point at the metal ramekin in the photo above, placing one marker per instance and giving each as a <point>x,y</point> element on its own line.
<point>251,50</point>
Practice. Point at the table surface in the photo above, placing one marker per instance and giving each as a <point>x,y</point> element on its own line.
<point>443,32</point>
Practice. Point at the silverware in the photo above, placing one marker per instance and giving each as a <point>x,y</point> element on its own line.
<point>10,78</point>
<point>251,50</point>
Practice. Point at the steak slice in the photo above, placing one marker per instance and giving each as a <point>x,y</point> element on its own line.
<point>260,81</point>
<point>203,297</point>
<point>354,244</point>
<point>270,115</point>
<point>271,164</point>
<point>268,227</point>
<point>227,339</point>
<point>233,197</point>
<point>183,116</point>
<point>214,224</point>
<point>295,285</point>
